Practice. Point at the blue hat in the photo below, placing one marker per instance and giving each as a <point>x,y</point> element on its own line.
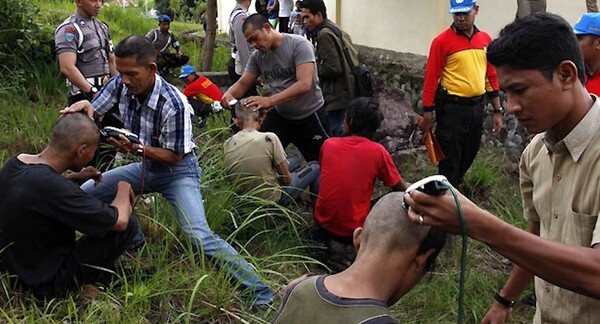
<point>164,18</point>
<point>588,24</point>
<point>186,70</point>
<point>461,6</point>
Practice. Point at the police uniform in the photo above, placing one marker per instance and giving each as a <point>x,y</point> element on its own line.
<point>90,39</point>
<point>162,42</point>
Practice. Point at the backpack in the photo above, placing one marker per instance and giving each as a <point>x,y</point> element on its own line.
<point>363,79</point>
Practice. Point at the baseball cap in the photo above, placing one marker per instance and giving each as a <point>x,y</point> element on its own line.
<point>588,24</point>
<point>461,6</point>
<point>164,18</point>
<point>186,70</point>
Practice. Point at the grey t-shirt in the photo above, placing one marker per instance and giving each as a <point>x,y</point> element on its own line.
<point>278,68</point>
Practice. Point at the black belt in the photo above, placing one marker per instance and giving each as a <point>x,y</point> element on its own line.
<point>464,101</point>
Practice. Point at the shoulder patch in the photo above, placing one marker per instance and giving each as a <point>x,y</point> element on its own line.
<point>268,139</point>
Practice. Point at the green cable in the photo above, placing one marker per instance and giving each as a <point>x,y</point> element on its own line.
<point>463,254</point>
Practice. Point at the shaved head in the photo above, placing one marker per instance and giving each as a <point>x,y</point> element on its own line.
<point>388,229</point>
<point>72,130</point>
<point>244,113</point>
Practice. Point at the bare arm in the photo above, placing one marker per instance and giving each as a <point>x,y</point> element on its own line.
<point>304,82</point>
<point>123,203</point>
<point>67,61</point>
<point>401,185</point>
<point>158,154</point>
<point>517,282</point>
<point>112,64</point>
<point>238,89</point>
<point>284,172</point>
<point>576,268</point>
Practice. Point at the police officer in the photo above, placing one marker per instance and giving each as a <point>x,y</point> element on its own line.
<point>85,51</point>
<point>162,39</point>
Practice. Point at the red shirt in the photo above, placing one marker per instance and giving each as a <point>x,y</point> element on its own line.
<point>349,167</point>
<point>592,83</point>
<point>204,90</point>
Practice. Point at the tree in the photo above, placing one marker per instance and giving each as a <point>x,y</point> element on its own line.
<point>208,49</point>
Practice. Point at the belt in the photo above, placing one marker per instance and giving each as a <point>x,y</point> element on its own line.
<point>463,100</point>
<point>98,81</point>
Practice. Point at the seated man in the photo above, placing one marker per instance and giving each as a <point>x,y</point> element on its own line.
<point>201,93</point>
<point>258,160</point>
<point>42,210</point>
<point>349,167</point>
<point>393,255</point>
<point>162,39</point>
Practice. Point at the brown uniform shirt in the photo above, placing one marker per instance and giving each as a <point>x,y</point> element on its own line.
<point>560,184</point>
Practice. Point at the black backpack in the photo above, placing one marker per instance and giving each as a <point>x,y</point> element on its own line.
<point>363,79</point>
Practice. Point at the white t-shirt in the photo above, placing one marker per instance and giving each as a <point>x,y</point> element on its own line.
<point>285,7</point>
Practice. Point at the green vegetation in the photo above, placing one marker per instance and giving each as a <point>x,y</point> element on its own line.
<point>168,281</point>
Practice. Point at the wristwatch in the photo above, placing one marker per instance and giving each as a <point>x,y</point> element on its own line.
<point>503,301</point>
<point>92,92</point>
<point>500,110</point>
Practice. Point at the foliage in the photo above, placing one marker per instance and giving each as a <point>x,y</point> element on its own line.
<point>168,280</point>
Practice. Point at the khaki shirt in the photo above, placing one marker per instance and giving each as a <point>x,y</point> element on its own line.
<point>559,186</point>
<point>251,156</point>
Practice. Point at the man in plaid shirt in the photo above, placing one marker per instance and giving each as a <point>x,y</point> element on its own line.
<point>161,116</point>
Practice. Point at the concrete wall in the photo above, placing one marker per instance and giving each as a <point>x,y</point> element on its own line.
<point>409,25</point>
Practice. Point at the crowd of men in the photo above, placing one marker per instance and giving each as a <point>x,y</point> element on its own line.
<point>377,249</point>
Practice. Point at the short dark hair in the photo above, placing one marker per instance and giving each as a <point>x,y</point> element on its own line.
<point>314,6</point>
<point>539,41</point>
<point>435,240</point>
<point>363,117</point>
<point>255,20</point>
<point>73,129</point>
<point>138,46</point>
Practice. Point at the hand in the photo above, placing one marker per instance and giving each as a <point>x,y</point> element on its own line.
<point>85,174</point>
<point>427,122</point>
<point>497,314</point>
<point>82,105</point>
<point>496,124</point>
<point>226,99</point>
<point>439,211</point>
<point>124,185</point>
<point>179,54</point>
<point>258,102</point>
<point>123,144</point>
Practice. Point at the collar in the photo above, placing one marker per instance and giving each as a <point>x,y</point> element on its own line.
<point>325,22</point>
<point>458,32</point>
<point>81,17</point>
<point>581,136</point>
<point>152,98</point>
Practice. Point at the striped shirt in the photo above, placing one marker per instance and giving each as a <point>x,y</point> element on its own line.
<point>162,120</point>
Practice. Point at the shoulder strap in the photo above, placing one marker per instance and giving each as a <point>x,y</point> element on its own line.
<point>73,21</point>
<point>338,33</point>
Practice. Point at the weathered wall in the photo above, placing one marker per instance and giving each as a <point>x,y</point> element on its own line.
<point>409,26</point>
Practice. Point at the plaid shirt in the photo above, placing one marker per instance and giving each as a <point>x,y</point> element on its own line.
<point>163,120</point>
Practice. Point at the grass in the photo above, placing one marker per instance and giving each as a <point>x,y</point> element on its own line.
<point>169,281</point>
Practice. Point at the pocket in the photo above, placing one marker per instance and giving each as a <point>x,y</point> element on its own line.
<point>578,229</point>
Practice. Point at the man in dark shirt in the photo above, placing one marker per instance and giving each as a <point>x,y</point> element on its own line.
<point>41,210</point>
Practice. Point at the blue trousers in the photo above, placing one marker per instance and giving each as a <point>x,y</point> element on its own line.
<point>180,185</point>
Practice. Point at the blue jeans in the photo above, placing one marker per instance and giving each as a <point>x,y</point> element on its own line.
<point>336,122</point>
<point>180,185</point>
<point>307,176</point>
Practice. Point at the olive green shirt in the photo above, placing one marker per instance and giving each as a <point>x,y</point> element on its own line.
<point>310,302</point>
<point>560,182</point>
<point>250,158</point>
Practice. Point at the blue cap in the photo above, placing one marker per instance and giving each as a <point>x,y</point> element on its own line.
<point>164,18</point>
<point>461,6</point>
<point>588,24</point>
<point>186,70</point>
